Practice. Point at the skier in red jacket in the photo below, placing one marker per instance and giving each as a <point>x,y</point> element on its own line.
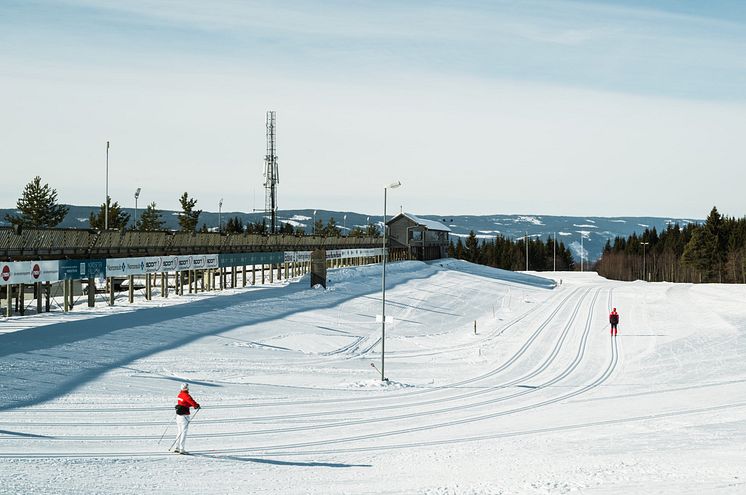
<point>614,320</point>
<point>185,401</point>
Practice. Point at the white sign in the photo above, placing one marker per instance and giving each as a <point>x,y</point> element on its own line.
<point>29,272</point>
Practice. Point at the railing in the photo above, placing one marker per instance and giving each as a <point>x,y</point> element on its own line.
<point>41,244</point>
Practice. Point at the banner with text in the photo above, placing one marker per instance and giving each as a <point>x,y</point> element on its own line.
<point>29,272</point>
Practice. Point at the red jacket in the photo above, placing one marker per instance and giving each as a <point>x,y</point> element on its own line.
<point>614,318</point>
<point>186,400</point>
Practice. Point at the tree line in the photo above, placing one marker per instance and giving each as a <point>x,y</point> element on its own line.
<point>714,251</point>
<point>509,254</point>
<point>38,208</point>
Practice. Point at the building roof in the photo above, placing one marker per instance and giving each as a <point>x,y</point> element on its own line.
<point>428,224</point>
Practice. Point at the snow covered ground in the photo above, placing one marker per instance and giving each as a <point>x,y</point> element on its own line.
<point>540,400</point>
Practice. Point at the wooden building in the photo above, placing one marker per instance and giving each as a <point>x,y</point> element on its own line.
<point>421,239</point>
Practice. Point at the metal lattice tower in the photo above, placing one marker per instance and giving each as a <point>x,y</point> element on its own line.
<point>271,173</point>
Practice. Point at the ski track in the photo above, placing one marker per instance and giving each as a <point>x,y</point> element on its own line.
<point>551,354</point>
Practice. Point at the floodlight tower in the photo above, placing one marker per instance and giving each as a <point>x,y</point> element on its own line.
<point>271,174</point>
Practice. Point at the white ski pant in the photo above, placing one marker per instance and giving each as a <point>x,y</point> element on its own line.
<point>182,425</point>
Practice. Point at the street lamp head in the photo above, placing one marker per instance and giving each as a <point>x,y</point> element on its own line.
<point>137,193</point>
<point>394,185</point>
<point>220,203</point>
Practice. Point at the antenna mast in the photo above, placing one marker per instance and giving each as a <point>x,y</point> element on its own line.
<point>271,174</point>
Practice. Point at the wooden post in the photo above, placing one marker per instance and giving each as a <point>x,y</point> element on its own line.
<point>21,297</point>
<point>262,273</point>
<point>91,292</point>
<point>253,274</point>
<point>111,291</point>
<point>131,288</point>
<point>147,287</point>
<point>9,300</point>
<point>65,299</point>
<point>37,293</point>
<point>72,294</point>
<point>47,295</point>
<point>164,284</point>
<point>243,272</point>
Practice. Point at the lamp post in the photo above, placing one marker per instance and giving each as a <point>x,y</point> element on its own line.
<point>582,252</point>
<point>106,201</point>
<point>137,195</point>
<point>393,185</point>
<point>314,222</point>
<point>644,272</point>
<point>344,224</point>
<point>526,238</point>
<point>220,215</point>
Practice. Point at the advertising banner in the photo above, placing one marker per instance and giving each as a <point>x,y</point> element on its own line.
<point>122,267</point>
<point>297,256</point>
<point>242,259</point>
<point>29,272</point>
<point>81,269</point>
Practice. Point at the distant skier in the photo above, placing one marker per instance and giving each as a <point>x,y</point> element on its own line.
<point>614,320</point>
<point>185,401</point>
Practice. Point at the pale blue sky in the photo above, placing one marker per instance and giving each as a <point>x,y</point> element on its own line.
<point>541,107</point>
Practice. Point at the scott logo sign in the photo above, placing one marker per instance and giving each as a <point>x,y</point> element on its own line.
<point>36,271</point>
<point>6,273</point>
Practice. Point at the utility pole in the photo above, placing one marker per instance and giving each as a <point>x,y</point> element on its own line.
<point>106,202</point>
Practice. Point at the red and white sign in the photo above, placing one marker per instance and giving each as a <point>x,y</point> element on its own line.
<point>29,272</point>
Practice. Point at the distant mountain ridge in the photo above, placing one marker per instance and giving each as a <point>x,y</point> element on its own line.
<point>595,230</point>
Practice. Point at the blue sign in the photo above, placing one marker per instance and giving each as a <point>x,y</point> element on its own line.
<point>80,269</point>
<point>242,259</point>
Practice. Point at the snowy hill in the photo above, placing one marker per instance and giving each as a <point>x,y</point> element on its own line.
<point>540,399</point>
<point>595,229</point>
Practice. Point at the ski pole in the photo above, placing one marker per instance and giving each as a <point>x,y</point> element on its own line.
<point>182,432</point>
<point>164,431</point>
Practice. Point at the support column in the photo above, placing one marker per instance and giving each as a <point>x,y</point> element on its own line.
<point>91,293</point>
<point>234,277</point>
<point>190,279</point>
<point>111,291</point>
<point>65,299</point>
<point>262,273</point>
<point>253,274</point>
<point>9,300</point>
<point>37,293</point>
<point>47,295</point>
<point>164,284</point>
<point>271,273</point>
<point>131,288</point>
<point>21,297</point>
<point>148,294</point>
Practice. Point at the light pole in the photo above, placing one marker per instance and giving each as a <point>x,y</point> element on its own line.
<point>220,215</point>
<point>314,222</point>
<point>393,185</point>
<point>106,202</point>
<point>582,252</point>
<point>344,224</point>
<point>644,272</point>
<point>526,238</point>
<point>137,195</point>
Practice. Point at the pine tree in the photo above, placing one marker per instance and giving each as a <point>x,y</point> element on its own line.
<point>118,219</point>
<point>150,219</point>
<point>38,207</point>
<point>471,253</point>
<point>372,230</point>
<point>234,226</point>
<point>331,229</point>
<point>189,217</point>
